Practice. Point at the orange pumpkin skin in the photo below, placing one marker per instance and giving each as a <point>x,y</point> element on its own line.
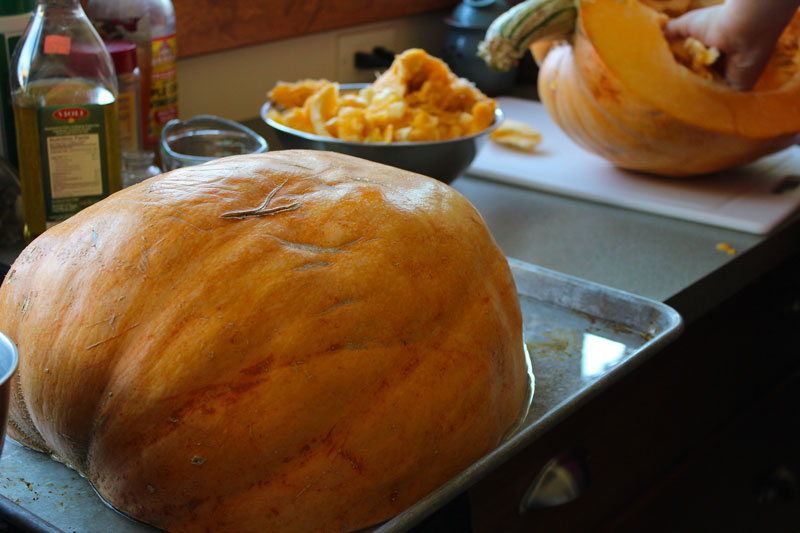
<point>317,365</point>
<point>619,121</point>
<point>592,107</point>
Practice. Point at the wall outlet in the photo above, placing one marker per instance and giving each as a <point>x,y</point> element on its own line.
<point>361,41</point>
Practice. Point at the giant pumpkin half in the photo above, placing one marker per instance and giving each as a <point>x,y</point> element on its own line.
<point>611,80</point>
<point>294,341</point>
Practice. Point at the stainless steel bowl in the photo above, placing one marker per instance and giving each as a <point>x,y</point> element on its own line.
<point>443,160</point>
<point>8,365</point>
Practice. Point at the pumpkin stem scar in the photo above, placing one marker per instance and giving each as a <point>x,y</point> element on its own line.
<point>264,208</point>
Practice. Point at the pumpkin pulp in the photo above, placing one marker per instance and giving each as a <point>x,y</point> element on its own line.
<point>651,72</point>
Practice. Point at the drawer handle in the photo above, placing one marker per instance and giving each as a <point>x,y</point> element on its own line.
<point>561,480</point>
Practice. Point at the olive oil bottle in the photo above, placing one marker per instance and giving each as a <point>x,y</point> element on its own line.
<point>64,93</point>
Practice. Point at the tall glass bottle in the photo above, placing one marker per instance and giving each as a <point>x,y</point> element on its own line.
<point>14,18</point>
<point>64,93</point>
<point>151,25</point>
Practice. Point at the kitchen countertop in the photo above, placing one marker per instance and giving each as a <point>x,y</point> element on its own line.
<point>663,259</point>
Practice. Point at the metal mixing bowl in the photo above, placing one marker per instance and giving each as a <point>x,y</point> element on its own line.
<point>443,160</point>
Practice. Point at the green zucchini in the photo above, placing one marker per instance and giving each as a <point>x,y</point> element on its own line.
<point>510,35</point>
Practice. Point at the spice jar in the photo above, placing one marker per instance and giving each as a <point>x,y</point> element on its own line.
<point>123,54</point>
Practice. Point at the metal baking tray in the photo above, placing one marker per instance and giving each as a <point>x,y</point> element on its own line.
<point>581,337</point>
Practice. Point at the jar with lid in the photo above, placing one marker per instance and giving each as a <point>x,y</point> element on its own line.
<point>137,166</point>
<point>123,54</point>
<point>64,93</point>
<point>151,25</point>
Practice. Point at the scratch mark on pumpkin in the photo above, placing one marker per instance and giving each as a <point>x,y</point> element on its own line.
<point>189,223</point>
<point>308,486</point>
<point>365,180</point>
<point>350,459</point>
<point>299,364</point>
<point>337,305</point>
<point>319,249</point>
<point>264,208</point>
<point>110,321</point>
<point>10,277</point>
<point>309,266</point>
<point>26,304</point>
<point>240,215</point>
<point>302,491</point>
<point>144,262</point>
<point>94,238</point>
<point>98,343</point>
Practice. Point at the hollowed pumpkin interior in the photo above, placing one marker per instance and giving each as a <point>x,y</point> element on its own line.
<point>629,38</point>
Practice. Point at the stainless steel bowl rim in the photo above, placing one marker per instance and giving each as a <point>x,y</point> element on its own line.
<point>262,143</point>
<point>498,118</point>
<point>7,344</point>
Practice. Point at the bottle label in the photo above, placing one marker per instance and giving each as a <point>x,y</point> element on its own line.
<point>163,86</point>
<point>75,166</point>
<point>128,134</point>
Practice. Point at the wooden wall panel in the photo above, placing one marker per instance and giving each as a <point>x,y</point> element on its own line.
<point>212,25</point>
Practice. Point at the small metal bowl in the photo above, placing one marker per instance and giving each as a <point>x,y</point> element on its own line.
<point>8,365</point>
<point>443,160</point>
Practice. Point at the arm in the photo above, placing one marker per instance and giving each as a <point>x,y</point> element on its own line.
<point>744,30</point>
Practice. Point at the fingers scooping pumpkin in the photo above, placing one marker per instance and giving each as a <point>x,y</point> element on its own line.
<point>638,83</point>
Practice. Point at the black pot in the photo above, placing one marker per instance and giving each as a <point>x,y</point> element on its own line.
<point>467,25</point>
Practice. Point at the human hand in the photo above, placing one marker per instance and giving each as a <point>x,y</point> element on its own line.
<point>745,31</point>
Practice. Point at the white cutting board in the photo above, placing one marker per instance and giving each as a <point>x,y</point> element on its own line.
<point>754,198</point>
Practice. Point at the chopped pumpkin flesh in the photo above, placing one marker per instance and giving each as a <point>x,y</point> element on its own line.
<point>417,99</point>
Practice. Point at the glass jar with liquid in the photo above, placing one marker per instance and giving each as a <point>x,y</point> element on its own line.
<point>14,18</point>
<point>64,93</point>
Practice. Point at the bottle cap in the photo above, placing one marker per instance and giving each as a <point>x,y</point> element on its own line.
<point>123,54</point>
<point>86,58</point>
<point>16,7</point>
